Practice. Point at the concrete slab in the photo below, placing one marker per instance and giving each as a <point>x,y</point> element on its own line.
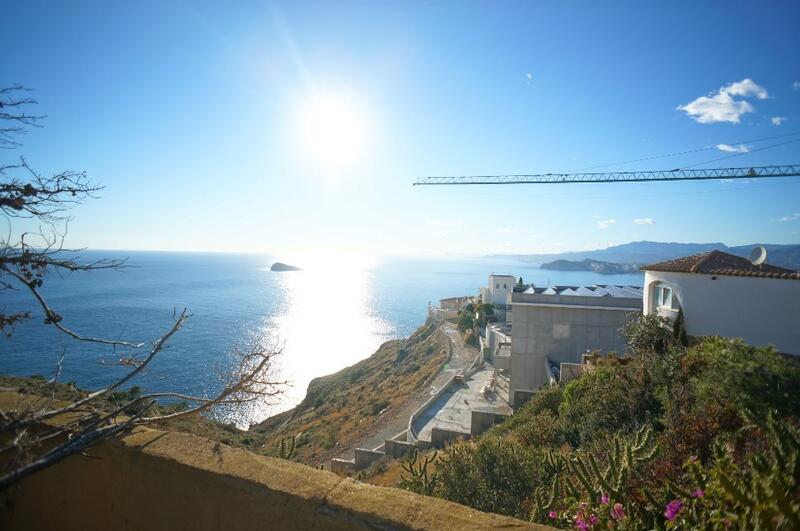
<point>453,410</point>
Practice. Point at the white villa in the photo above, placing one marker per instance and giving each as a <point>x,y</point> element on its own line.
<point>726,295</point>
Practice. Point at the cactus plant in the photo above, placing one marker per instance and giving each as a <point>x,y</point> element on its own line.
<point>419,480</point>
<point>621,461</point>
<point>766,493</point>
<point>287,450</point>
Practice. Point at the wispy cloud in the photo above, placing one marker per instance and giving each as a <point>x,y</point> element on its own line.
<point>796,85</point>
<point>444,224</point>
<point>790,217</point>
<point>529,76</point>
<point>777,120</point>
<point>729,148</point>
<point>644,221</point>
<point>605,223</point>
<point>721,106</point>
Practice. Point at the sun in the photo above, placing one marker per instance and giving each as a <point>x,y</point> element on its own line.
<point>333,131</point>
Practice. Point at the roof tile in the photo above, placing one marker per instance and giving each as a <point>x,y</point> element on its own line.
<point>721,263</point>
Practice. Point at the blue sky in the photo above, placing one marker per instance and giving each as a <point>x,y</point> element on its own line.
<point>298,127</point>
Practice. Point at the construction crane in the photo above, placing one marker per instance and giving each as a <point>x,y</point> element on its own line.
<point>750,172</point>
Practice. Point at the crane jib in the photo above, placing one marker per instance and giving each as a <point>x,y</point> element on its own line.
<point>749,172</point>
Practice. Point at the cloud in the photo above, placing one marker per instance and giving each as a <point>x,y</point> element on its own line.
<point>790,217</point>
<point>720,106</point>
<point>777,120</point>
<point>644,221</point>
<point>444,224</point>
<point>529,76</point>
<point>606,223</point>
<point>796,85</point>
<point>728,148</point>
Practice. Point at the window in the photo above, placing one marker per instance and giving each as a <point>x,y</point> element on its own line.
<point>497,286</point>
<point>505,287</point>
<point>664,298</point>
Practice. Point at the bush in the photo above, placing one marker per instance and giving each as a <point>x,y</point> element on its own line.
<point>495,475</point>
<point>611,397</point>
<point>755,378</point>
<point>541,430</point>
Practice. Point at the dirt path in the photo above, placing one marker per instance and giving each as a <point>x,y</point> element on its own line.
<point>397,421</point>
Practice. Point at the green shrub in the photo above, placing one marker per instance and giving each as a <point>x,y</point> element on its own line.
<point>755,378</point>
<point>611,397</point>
<point>495,475</point>
<point>541,430</point>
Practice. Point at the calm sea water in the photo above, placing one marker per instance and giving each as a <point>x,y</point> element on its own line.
<point>324,318</point>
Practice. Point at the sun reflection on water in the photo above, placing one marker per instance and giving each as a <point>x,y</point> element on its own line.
<point>326,322</point>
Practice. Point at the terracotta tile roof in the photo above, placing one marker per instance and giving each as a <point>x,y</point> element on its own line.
<point>720,263</point>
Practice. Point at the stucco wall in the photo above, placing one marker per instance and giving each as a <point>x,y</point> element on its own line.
<point>172,481</point>
<point>759,310</point>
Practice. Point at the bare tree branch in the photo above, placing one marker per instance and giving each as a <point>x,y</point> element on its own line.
<point>85,418</point>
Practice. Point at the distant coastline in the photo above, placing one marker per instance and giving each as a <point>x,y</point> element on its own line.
<point>597,266</point>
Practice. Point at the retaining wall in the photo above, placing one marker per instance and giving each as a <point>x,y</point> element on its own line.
<point>440,437</point>
<point>158,481</point>
<point>484,420</point>
<point>364,458</point>
<point>398,449</point>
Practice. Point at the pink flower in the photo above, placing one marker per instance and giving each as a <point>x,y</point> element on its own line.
<point>584,525</point>
<point>618,512</point>
<point>672,509</point>
<point>698,493</point>
<point>604,499</point>
<point>553,515</point>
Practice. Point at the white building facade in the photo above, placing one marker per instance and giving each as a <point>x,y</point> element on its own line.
<point>723,294</point>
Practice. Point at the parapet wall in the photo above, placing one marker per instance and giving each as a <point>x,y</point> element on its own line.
<point>158,480</point>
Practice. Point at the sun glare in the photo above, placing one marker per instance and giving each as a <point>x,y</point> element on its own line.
<point>333,131</point>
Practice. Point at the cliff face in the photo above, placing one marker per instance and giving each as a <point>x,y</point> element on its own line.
<point>588,264</point>
<point>341,408</point>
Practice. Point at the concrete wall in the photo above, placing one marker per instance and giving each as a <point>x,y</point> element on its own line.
<point>173,481</point>
<point>442,314</point>
<point>570,371</point>
<point>484,420</point>
<point>397,449</point>
<point>343,467</point>
<point>761,311</point>
<point>502,362</point>
<point>440,437</point>
<point>562,328</point>
<point>364,458</point>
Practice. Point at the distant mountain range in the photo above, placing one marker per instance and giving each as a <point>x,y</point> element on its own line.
<point>644,252</point>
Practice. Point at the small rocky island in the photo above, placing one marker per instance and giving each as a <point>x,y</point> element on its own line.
<point>280,266</point>
<point>598,266</point>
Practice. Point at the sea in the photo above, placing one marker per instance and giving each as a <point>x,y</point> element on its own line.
<point>322,319</point>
